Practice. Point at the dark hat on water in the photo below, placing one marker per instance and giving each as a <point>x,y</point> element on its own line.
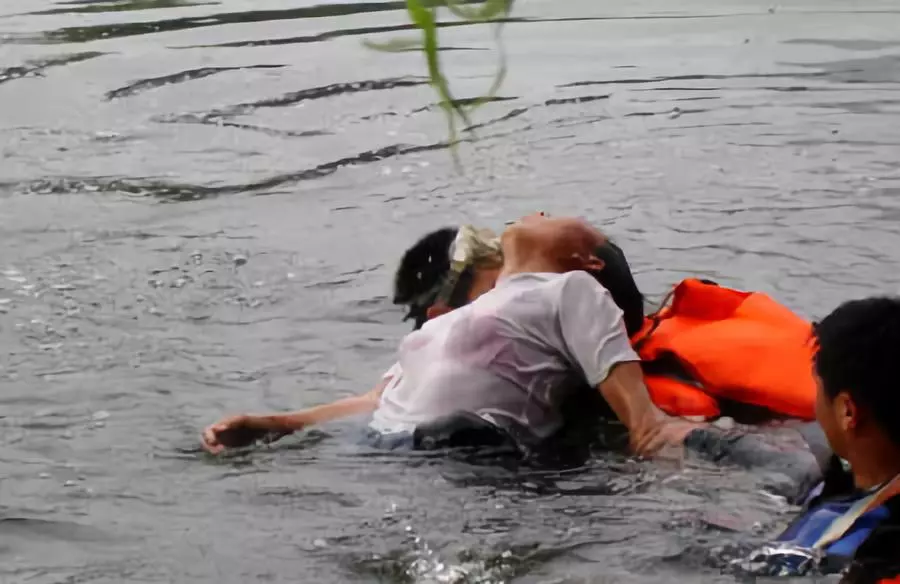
<point>421,272</point>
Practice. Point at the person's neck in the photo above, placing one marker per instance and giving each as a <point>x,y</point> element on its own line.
<point>534,264</point>
<point>879,465</point>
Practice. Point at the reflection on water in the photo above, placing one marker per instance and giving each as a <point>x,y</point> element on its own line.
<point>726,141</point>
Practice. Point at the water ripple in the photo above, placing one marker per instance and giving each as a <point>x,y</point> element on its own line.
<point>80,34</point>
<point>36,68</point>
<point>180,77</point>
<point>99,6</point>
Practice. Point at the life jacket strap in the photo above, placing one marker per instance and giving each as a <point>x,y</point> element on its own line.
<point>655,319</point>
<point>843,523</point>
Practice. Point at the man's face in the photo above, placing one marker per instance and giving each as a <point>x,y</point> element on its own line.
<point>569,241</point>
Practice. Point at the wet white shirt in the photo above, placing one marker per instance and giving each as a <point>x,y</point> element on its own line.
<point>513,352</point>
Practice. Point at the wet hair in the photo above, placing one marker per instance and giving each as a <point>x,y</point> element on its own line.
<point>856,352</point>
<point>421,274</point>
<point>616,277</point>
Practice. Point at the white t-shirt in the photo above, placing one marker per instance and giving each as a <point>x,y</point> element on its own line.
<point>512,352</point>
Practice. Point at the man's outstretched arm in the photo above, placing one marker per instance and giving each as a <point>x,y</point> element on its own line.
<point>244,429</point>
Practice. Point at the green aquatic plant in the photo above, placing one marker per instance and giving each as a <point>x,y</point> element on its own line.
<point>424,17</point>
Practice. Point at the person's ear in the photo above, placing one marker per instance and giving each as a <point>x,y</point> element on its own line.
<point>435,310</point>
<point>594,264</point>
<point>847,412</point>
<point>590,263</point>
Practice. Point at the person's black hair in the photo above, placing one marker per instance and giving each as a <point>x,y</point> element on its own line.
<point>856,352</point>
<point>616,277</point>
<point>421,274</point>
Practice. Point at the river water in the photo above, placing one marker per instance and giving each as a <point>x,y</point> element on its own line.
<point>201,205</point>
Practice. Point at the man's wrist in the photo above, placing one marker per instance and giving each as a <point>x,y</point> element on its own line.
<point>273,422</point>
<point>648,420</point>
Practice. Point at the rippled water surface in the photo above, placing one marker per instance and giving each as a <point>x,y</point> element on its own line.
<point>201,204</point>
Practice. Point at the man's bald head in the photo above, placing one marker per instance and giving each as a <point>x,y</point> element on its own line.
<point>558,244</point>
<point>564,244</point>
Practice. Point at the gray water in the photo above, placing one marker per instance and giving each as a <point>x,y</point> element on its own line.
<point>201,205</point>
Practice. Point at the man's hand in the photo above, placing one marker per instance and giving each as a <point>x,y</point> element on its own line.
<point>650,429</point>
<point>238,431</point>
<point>659,437</point>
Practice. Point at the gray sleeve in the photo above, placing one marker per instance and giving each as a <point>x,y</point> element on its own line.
<point>792,473</point>
<point>592,328</point>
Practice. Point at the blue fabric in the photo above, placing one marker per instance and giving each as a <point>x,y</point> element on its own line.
<point>811,525</point>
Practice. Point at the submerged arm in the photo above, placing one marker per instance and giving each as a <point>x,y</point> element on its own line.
<point>805,464</point>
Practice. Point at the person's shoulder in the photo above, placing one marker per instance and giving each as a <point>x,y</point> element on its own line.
<point>557,286</point>
<point>580,291</point>
<point>581,281</point>
<point>528,282</point>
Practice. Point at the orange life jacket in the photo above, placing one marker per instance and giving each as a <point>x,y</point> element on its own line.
<point>739,346</point>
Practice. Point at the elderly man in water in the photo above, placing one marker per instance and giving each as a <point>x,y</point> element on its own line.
<point>501,366</point>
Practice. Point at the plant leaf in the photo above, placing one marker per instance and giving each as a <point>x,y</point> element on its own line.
<point>423,14</point>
